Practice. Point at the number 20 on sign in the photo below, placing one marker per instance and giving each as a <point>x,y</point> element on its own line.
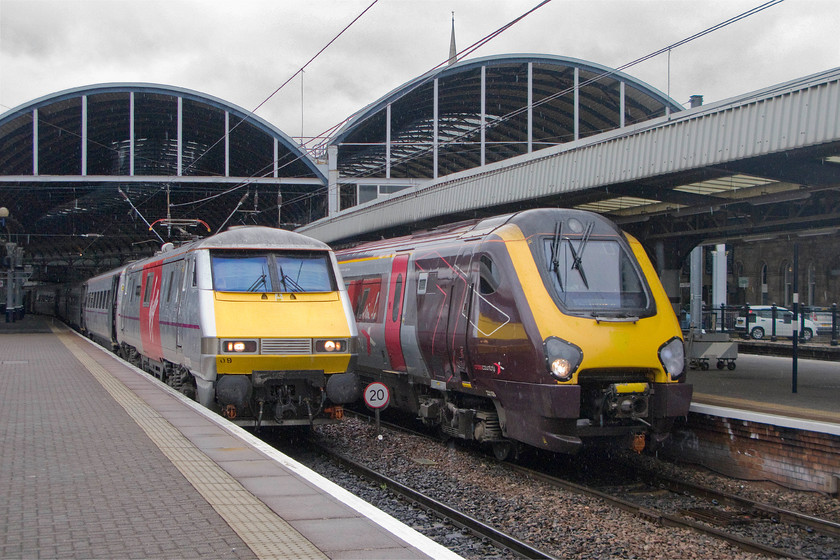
<point>377,398</point>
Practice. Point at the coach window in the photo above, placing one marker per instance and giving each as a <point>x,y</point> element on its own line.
<point>170,285</point>
<point>147,295</point>
<point>395,312</point>
<point>488,276</point>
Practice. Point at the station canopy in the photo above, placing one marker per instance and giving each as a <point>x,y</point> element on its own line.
<point>481,111</point>
<point>85,172</point>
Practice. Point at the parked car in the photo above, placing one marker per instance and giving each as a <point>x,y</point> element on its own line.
<point>758,323</point>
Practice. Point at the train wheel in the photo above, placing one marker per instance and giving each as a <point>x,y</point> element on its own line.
<point>502,449</point>
<point>720,364</point>
<point>731,365</point>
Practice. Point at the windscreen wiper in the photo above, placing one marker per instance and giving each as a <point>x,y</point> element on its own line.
<point>577,256</point>
<point>555,253</point>
<point>260,281</point>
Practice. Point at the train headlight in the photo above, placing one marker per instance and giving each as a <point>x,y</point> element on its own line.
<point>238,346</point>
<point>562,358</point>
<point>338,345</point>
<point>672,356</point>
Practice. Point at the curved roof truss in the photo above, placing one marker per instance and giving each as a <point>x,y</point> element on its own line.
<point>486,110</point>
<point>70,161</point>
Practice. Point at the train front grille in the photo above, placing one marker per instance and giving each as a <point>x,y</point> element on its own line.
<point>286,346</point>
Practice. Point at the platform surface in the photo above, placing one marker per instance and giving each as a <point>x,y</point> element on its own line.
<point>765,385</point>
<point>101,461</point>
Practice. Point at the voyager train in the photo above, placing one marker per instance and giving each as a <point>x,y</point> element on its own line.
<point>253,322</point>
<point>546,327</point>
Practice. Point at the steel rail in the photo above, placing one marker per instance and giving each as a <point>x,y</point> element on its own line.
<point>458,518</point>
<point>823,526</point>
<point>655,516</point>
<point>820,525</point>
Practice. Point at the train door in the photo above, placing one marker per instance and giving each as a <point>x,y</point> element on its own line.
<point>186,270</point>
<point>460,311</point>
<point>150,311</point>
<point>393,312</point>
<point>114,297</point>
<point>83,305</point>
<point>175,295</point>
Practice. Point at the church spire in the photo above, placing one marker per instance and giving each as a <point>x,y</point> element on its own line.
<point>453,52</point>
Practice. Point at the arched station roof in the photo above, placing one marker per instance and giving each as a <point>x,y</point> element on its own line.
<point>485,110</point>
<point>66,160</point>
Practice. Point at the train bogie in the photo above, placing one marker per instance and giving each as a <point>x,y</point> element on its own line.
<point>547,327</point>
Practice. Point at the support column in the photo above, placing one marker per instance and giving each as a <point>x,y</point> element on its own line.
<point>719,282</point>
<point>530,107</point>
<point>670,277</point>
<point>435,132</point>
<point>483,115</point>
<point>388,141</point>
<point>131,134</point>
<point>333,192</point>
<point>696,279</point>
<point>84,135</point>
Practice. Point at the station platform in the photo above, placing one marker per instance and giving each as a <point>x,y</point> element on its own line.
<point>102,461</point>
<point>761,389</point>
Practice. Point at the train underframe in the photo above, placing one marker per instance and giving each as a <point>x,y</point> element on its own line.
<point>262,398</point>
<point>558,418</point>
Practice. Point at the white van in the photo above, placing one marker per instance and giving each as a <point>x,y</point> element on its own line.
<point>759,323</point>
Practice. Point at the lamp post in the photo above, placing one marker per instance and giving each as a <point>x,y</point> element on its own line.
<point>16,273</point>
<point>9,265</point>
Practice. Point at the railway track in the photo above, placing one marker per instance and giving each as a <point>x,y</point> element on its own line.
<point>710,511</point>
<point>754,508</point>
<point>458,518</point>
<point>658,516</point>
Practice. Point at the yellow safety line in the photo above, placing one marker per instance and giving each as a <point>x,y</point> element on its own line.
<point>265,533</point>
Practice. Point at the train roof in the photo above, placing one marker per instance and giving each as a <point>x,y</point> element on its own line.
<point>259,237</point>
<point>478,228</point>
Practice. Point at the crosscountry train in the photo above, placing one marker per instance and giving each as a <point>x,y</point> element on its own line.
<point>253,322</point>
<point>547,327</point>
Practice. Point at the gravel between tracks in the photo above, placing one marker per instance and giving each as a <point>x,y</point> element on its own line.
<point>561,523</point>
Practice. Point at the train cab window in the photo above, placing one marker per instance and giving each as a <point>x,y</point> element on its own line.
<point>593,275</point>
<point>305,272</point>
<point>488,276</point>
<point>272,272</point>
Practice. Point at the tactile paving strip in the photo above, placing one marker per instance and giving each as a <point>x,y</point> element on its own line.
<point>266,534</point>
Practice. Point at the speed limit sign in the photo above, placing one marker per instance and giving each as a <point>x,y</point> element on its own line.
<point>377,395</point>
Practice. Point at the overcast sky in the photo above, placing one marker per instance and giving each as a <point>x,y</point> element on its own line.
<point>242,51</point>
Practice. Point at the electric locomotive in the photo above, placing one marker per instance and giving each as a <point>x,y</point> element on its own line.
<point>253,322</point>
<point>547,327</point>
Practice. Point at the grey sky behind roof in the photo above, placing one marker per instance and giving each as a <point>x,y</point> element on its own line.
<point>243,51</point>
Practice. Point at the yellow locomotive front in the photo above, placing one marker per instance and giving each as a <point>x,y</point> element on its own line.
<point>283,333</point>
<point>612,350</point>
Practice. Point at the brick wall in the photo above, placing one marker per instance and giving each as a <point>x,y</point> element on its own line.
<point>755,451</point>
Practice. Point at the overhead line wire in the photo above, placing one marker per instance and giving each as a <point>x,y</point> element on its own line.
<point>585,83</point>
<point>301,69</point>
